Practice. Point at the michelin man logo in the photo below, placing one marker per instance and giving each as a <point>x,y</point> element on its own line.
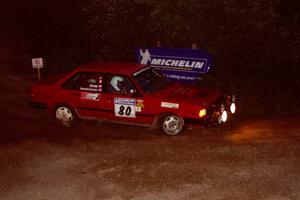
<point>146,57</point>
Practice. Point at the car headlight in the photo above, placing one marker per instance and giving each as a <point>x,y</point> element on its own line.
<point>202,112</point>
<point>224,116</point>
<point>232,108</point>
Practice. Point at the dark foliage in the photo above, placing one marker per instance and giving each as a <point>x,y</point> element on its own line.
<point>256,44</point>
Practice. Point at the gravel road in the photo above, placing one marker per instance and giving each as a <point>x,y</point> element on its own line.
<point>256,158</point>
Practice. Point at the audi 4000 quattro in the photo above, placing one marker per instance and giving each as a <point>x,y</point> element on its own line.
<point>130,93</point>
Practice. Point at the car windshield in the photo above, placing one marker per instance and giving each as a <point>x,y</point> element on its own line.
<point>149,80</point>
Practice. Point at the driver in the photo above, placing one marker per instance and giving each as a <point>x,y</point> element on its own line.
<point>117,83</point>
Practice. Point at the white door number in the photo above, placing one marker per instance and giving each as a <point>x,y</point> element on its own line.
<point>125,107</point>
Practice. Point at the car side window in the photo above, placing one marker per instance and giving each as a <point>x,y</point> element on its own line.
<point>71,82</point>
<point>85,81</point>
<point>118,84</point>
<point>90,82</point>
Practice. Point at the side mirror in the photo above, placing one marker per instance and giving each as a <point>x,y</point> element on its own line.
<point>132,91</point>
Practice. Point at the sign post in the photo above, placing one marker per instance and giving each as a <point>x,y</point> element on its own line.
<point>38,63</point>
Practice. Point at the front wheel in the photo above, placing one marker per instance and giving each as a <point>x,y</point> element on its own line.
<point>65,115</point>
<point>171,124</point>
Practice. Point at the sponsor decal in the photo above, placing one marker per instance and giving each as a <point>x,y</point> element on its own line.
<point>138,109</point>
<point>139,105</point>
<point>90,96</point>
<point>88,89</point>
<point>178,63</point>
<point>169,105</point>
<point>97,87</point>
<point>94,85</point>
<point>185,65</point>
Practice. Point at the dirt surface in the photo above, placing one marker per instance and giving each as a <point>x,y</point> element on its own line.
<point>254,159</point>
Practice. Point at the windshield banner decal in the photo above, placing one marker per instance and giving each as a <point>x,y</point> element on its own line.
<point>185,65</point>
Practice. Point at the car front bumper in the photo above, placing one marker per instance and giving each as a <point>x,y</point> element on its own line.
<point>219,112</point>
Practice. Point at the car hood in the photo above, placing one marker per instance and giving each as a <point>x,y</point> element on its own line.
<point>197,95</point>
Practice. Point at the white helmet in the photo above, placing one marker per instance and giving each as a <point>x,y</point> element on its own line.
<point>114,82</point>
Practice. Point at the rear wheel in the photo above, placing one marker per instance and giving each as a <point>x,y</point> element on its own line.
<point>171,124</point>
<point>65,115</point>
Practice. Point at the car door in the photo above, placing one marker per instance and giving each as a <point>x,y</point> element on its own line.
<point>84,92</point>
<point>124,99</point>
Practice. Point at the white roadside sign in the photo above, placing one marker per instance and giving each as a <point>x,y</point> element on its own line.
<point>37,62</point>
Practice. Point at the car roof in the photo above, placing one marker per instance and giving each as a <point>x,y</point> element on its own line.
<point>126,68</point>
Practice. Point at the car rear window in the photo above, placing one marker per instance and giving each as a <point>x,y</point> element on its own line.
<point>86,81</point>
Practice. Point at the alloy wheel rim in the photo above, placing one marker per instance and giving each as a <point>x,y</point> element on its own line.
<point>172,125</point>
<point>64,115</point>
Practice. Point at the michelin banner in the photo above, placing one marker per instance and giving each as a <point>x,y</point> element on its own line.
<point>184,65</point>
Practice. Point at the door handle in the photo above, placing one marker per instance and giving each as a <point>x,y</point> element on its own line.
<point>109,98</point>
<point>75,94</point>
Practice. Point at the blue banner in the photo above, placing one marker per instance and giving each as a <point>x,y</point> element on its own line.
<point>184,65</point>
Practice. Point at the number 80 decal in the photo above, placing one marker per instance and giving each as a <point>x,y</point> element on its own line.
<point>127,110</point>
<point>125,107</point>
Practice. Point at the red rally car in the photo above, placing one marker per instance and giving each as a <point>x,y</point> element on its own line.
<point>130,93</point>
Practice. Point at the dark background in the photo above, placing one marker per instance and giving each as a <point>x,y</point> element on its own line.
<point>256,44</point>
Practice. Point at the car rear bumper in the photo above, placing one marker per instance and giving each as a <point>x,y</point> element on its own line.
<point>37,105</point>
